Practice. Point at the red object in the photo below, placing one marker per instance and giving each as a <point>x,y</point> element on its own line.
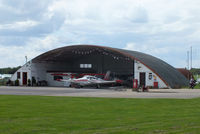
<point>58,79</point>
<point>186,73</point>
<point>119,81</point>
<point>59,74</point>
<point>155,84</point>
<point>24,78</point>
<point>135,83</point>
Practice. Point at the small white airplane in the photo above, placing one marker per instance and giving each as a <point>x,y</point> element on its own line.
<point>89,80</point>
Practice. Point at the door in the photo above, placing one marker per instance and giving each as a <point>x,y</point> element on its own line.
<point>24,78</point>
<point>142,79</point>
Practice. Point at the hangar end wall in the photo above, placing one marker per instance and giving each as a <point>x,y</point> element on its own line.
<point>150,77</point>
<point>23,74</point>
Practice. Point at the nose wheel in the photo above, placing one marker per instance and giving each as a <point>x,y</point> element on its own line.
<point>98,86</point>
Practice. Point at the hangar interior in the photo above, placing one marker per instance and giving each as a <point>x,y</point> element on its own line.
<point>86,60</point>
<point>89,59</point>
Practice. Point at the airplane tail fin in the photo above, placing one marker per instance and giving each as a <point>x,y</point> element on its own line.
<point>107,76</point>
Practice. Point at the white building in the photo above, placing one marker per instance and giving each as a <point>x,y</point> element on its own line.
<point>2,76</point>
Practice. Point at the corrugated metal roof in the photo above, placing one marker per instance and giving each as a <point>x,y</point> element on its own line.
<point>166,72</point>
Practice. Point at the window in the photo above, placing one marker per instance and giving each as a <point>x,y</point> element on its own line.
<point>89,65</point>
<point>81,65</point>
<point>18,75</point>
<point>150,76</point>
<point>85,65</point>
<point>57,77</point>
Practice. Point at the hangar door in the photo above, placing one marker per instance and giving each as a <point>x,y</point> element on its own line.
<point>142,78</point>
<point>24,78</point>
<point>102,63</point>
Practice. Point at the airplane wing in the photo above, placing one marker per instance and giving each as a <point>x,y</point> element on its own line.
<point>91,81</point>
<point>102,82</point>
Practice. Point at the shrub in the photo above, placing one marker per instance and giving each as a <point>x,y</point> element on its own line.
<point>17,82</point>
<point>33,81</point>
<point>29,82</point>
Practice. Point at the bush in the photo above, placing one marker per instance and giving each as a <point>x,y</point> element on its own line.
<point>17,82</point>
<point>33,81</point>
<point>29,82</point>
<point>6,82</point>
<point>2,82</point>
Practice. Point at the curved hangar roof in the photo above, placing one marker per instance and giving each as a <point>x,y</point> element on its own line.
<point>166,72</point>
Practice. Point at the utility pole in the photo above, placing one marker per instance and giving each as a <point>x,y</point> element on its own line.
<point>188,64</point>
<point>191,57</point>
<point>188,60</point>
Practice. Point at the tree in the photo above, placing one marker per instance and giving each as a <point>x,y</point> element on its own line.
<point>9,70</point>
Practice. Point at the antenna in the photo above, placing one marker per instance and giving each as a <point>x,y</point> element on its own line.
<point>188,60</point>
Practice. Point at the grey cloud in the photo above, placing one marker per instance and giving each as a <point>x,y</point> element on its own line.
<point>12,41</point>
<point>19,10</point>
<point>172,18</point>
<point>45,26</point>
<point>140,15</point>
<point>145,24</point>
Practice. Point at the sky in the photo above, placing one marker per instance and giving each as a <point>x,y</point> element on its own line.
<point>163,28</point>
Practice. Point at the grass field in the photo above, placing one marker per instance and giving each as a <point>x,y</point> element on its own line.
<point>63,115</point>
<point>197,86</point>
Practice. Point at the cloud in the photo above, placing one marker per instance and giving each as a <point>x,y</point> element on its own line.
<point>21,18</point>
<point>11,11</point>
<point>32,27</point>
<point>173,55</point>
<point>19,26</point>
<point>164,28</point>
<point>14,55</point>
<point>148,48</point>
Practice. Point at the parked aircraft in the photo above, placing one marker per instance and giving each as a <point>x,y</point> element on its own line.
<point>88,80</point>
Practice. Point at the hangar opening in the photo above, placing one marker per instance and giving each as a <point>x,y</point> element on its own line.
<point>84,59</point>
<point>98,60</point>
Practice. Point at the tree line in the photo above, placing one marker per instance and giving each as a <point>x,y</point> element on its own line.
<point>9,70</point>
<point>195,71</point>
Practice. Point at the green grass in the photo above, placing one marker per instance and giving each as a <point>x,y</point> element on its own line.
<point>197,86</point>
<point>196,76</point>
<point>63,115</point>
